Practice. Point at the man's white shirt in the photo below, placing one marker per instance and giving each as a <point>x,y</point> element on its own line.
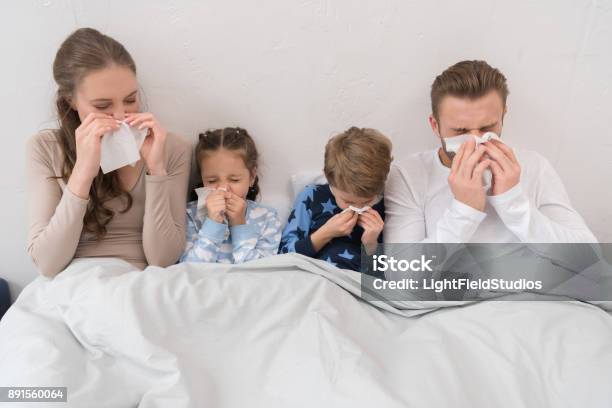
<point>420,207</point>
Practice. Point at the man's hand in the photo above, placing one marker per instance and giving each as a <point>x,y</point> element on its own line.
<point>465,179</point>
<point>504,166</point>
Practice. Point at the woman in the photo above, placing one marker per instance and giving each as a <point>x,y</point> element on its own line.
<point>136,213</point>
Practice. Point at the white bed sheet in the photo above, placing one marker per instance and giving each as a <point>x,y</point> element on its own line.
<point>284,332</point>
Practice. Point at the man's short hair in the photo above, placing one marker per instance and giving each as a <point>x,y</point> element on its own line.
<point>467,79</point>
<point>357,161</point>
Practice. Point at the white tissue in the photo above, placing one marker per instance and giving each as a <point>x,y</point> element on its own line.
<point>454,143</point>
<point>121,147</point>
<point>203,193</point>
<point>356,209</point>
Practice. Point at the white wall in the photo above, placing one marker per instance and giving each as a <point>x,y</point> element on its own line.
<point>294,72</point>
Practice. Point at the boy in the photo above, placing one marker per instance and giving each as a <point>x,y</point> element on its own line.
<point>332,221</point>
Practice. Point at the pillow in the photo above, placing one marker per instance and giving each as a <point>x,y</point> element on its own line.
<point>302,179</point>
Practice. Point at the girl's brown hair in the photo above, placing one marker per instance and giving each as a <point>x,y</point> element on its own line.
<point>84,51</point>
<point>234,139</point>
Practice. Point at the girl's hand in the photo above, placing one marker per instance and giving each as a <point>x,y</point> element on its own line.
<point>215,206</point>
<point>154,146</point>
<point>372,224</point>
<point>236,209</point>
<point>87,140</point>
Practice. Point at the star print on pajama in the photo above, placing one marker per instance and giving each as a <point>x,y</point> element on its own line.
<point>313,207</point>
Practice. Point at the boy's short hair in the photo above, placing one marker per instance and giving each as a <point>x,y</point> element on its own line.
<point>467,79</point>
<point>357,161</point>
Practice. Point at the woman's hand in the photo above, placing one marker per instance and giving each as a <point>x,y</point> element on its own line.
<point>87,140</point>
<point>153,149</point>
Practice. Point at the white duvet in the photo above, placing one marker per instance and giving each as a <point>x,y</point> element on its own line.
<point>289,331</point>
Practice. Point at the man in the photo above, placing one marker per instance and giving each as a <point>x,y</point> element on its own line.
<point>439,196</point>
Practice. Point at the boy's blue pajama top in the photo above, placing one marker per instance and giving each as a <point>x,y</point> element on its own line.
<point>313,207</point>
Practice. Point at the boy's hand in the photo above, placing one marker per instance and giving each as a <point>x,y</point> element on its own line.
<point>215,206</point>
<point>340,225</point>
<point>372,224</point>
<point>235,209</point>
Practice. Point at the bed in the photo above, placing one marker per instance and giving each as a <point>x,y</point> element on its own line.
<point>290,331</point>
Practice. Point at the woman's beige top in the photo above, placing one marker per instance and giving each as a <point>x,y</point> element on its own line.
<point>151,232</point>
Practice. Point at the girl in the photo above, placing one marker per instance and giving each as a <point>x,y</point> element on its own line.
<point>135,213</point>
<point>229,226</point>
